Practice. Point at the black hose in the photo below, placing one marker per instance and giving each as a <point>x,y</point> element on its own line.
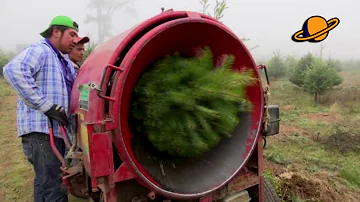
<point>264,138</point>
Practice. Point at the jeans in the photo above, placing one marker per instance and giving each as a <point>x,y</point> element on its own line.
<point>48,185</point>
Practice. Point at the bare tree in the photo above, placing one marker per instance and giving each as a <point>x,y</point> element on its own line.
<point>321,49</point>
<point>104,11</point>
<point>219,9</point>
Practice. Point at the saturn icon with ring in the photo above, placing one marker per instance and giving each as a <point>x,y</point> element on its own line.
<point>315,29</point>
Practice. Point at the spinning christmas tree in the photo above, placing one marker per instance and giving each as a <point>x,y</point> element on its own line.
<point>185,106</point>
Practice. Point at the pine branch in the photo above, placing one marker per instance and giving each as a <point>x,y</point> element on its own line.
<point>187,105</point>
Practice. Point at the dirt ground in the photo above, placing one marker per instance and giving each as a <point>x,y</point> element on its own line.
<point>313,187</point>
<point>318,186</point>
<point>325,117</point>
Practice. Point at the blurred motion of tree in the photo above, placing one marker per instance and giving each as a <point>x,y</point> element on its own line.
<point>104,10</point>
<point>276,66</point>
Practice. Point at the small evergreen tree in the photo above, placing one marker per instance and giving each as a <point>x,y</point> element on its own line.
<point>302,66</point>
<point>290,64</point>
<point>184,106</point>
<point>276,66</point>
<point>336,64</point>
<point>320,78</point>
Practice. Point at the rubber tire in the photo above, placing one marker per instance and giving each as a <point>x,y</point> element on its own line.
<point>269,192</point>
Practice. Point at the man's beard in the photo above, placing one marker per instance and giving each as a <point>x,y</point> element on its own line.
<point>63,49</point>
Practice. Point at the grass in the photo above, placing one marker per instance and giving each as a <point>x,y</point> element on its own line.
<point>4,89</point>
<point>16,176</point>
<point>303,145</point>
<point>15,171</point>
<point>351,174</point>
<point>308,154</point>
<point>351,78</point>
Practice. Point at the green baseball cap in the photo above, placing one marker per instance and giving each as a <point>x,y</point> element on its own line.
<point>62,21</point>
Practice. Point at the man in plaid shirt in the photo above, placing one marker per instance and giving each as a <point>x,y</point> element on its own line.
<point>43,76</point>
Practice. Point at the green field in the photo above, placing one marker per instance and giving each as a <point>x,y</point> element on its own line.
<point>316,155</point>
<point>314,158</point>
<point>16,176</point>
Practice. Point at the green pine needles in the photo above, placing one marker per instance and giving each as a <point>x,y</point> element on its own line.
<point>186,105</point>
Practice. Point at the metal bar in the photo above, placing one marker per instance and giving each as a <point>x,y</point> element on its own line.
<point>74,140</point>
<point>266,74</point>
<point>267,77</point>
<point>52,143</point>
<point>66,139</point>
<point>104,80</point>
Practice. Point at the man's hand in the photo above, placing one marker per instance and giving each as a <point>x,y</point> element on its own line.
<point>57,113</point>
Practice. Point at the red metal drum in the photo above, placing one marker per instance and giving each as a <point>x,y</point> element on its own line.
<point>123,59</point>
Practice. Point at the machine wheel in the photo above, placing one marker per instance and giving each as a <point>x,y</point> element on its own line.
<point>269,192</point>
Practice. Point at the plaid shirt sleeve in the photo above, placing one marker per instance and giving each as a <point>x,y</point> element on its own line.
<point>19,73</point>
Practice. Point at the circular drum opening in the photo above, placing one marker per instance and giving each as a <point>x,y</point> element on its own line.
<point>188,177</point>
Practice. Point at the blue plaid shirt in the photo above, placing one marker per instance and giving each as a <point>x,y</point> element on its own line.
<point>37,75</point>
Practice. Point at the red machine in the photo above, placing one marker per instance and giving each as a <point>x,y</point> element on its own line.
<point>108,163</point>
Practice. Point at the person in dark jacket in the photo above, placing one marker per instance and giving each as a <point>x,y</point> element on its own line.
<point>77,54</point>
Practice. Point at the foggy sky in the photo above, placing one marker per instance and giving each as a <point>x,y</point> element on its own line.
<point>268,23</point>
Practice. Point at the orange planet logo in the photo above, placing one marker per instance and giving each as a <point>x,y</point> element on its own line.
<point>315,29</point>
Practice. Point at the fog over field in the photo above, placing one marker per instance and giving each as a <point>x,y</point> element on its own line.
<point>268,24</point>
